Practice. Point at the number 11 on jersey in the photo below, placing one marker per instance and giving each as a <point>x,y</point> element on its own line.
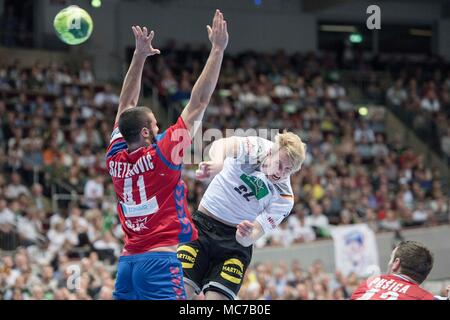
<point>128,190</point>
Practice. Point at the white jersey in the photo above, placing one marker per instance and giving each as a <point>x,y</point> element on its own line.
<point>242,192</point>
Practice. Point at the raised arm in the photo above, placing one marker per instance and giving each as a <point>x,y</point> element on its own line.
<point>131,87</point>
<point>206,83</point>
<point>220,149</point>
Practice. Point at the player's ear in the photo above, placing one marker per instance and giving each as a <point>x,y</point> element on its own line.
<point>396,265</point>
<point>145,132</point>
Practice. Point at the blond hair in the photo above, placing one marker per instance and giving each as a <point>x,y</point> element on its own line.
<point>295,148</point>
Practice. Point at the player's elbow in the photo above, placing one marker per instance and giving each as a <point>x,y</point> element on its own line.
<point>197,104</point>
<point>125,104</point>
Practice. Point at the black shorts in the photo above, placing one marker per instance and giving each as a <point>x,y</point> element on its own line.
<point>215,261</point>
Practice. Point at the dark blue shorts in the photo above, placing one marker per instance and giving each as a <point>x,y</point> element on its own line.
<point>149,276</point>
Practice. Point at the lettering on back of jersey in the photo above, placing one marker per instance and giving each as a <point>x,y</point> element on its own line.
<point>119,169</point>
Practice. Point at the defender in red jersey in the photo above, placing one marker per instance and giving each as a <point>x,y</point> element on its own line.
<point>409,266</point>
<point>146,171</point>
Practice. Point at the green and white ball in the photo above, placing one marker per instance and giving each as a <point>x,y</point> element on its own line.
<point>73,25</point>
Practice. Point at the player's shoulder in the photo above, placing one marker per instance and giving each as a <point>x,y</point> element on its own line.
<point>177,126</point>
<point>256,146</point>
<point>118,155</point>
<point>423,294</point>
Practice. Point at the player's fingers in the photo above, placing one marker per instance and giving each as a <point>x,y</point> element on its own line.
<point>220,20</point>
<point>134,31</point>
<point>216,19</point>
<point>200,174</point>
<point>247,224</point>
<point>144,31</point>
<point>139,30</point>
<point>223,26</point>
<point>200,171</point>
<point>244,228</point>
<point>242,233</point>
<point>151,35</point>
<point>208,28</point>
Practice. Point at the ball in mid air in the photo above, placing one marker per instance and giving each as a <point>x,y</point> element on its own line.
<point>73,25</point>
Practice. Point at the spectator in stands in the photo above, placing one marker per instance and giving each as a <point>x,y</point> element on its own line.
<point>106,97</point>
<point>430,102</point>
<point>297,225</point>
<point>396,95</point>
<point>318,221</point>
<point>390,222</point>
<point>94,190</point>
<point>86,74</point>
<point>38,199</point>
<point>16,188</point>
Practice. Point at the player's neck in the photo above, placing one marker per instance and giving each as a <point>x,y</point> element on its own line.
<point>135,146</point>
<point>405,277</point>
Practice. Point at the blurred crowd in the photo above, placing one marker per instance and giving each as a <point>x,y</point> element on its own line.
<point>24,277</point>
<point>56,121</point>
<point>425,103</point>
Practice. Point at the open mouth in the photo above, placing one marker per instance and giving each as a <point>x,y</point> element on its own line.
<point>275,177</point>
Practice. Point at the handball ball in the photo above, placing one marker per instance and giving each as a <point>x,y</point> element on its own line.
<point>73,25</point>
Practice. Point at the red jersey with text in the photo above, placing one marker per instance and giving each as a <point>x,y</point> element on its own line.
<point>152,204</point>
<point>390,287</point>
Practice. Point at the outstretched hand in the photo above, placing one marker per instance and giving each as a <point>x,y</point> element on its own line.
<point>218,34</point>
<point>144,41</point>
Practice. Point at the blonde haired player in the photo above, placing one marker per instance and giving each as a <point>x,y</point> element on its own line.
<point>249,195</point>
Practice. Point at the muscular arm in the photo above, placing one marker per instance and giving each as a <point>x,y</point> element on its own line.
<point>220,149</point>
<point>131,87</point>
<point>206,83</point>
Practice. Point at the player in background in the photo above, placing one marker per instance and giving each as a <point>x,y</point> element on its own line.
<point>249,195</point>
<point>146,171</point>
<point>409,266</point>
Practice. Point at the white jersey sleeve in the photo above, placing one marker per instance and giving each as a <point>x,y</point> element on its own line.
<point>278,209</point>
<point>252,150</point>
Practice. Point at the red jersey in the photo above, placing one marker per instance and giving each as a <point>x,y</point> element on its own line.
<point>152,204</point>
<point>390,287</point>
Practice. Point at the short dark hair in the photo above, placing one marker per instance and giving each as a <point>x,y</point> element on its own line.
<point>132,121</point>
<point>416,261</point>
